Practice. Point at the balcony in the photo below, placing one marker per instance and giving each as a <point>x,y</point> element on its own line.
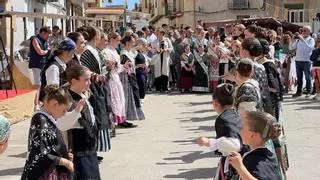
<point>46,1</point>
<point>238,4</point>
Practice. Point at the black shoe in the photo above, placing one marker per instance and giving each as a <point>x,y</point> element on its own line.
<point>100,159</point>
<point>113,133</point>
<point>126,125</point>
<point>297,95</point>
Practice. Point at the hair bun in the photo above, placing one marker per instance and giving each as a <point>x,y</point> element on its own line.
<point>51,89</point>
<point>228,89</point>
<point>274,131</point>
<point>85,35</point>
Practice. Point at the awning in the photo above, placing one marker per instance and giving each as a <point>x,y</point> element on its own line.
<point>105,11</point>
<point>268,22</point>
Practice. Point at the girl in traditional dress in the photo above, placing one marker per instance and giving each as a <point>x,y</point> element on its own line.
<point>116,89</point>
<point>187,60</point>
<point>247,96</point>
<point>227,127</point>
<point>260,162</point>
<point>142,69</point>
<point>200,79</point>
<point>83,127</point>
<point>48,157</point>
<point>129,81</point>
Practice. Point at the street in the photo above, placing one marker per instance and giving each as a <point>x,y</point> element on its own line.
<point>163,146</point>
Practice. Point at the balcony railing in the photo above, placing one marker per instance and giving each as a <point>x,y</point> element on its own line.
<point>238,4</point>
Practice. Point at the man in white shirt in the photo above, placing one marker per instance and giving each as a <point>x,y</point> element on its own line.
<point>151,37</point>
<point>304,45</point>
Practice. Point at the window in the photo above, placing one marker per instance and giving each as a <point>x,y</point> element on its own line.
<point>146,3</point>
<point>296,16</point>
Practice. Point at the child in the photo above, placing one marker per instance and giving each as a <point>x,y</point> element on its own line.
<point>260,162</point>
<point>48,156</point>
<point>83,126</point>
<point>227,127</point>
<point>4,133</point>
<point>247,96</point>
<point>187,59</point>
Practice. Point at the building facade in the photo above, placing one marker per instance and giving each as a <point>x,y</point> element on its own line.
<point>189,12</point>
<point>303,12</point>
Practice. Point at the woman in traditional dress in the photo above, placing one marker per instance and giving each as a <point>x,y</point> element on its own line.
<point>187,60</point>
<point>276,94</point>
<point>116,89</point>
<point>213,68</point>
<point>93,60</point>
<point>54,71</point>
<point>48,157</point>
<point>200,80</point>
<point>129,81</point>
<point>162,61</point>
<point>80,47</point>
<point>252,49</point>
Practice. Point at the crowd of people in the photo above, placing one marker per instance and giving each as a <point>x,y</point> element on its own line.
<point>92,82</point>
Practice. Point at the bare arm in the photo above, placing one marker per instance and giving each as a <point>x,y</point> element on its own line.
<point>36,46</point>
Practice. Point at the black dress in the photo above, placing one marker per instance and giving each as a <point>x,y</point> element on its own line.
<point>84,143</point>
<point>262,164</point>
<point>45,149</point>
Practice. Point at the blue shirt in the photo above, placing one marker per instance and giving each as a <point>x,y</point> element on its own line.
<point>304,49</point>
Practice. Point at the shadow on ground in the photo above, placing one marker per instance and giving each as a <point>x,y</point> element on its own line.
<point>197,119</point>
<point>11,171</point>
<point>204,173</point>
<point>22,155</point>
<point>188,158</point>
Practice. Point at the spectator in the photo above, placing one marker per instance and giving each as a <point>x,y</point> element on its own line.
<point>315,58</point>
<point>304,44</point>
<point>38,51</point>
<point>55,38</point>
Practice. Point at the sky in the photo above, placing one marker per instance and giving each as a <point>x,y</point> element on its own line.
<point>121,2</point>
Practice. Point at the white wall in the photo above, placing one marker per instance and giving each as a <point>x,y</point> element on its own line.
<point>34,24</point>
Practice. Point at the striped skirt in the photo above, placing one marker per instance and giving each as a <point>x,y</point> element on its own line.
<point>104,144</point>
